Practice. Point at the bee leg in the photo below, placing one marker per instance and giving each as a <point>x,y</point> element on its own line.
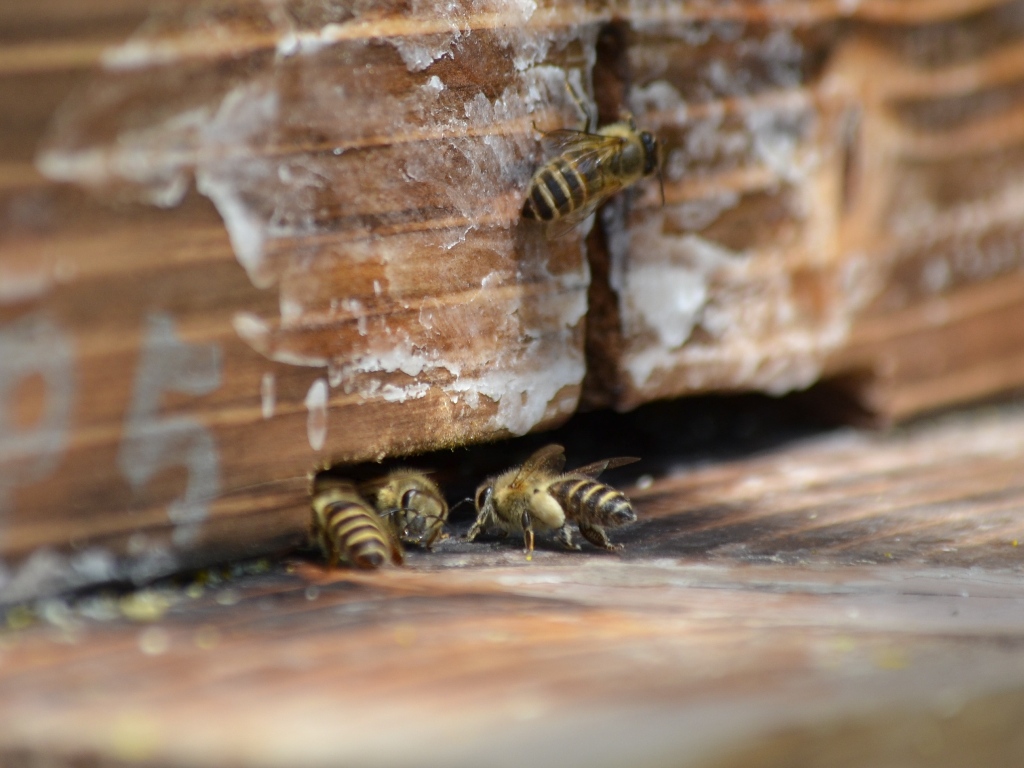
<point>439,534</point>
<point>595,535</point>
<point>397,555</point>
<point>527,524</point>
<point>564,535</point>
<point>392,523</point>
<point>474,531</point>
<point>579,105</point>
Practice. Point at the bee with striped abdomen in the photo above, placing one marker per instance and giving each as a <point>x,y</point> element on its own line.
<point>538,496</point>
<point>411,503</point>
<point>586,169</point>
<point>348,529</point>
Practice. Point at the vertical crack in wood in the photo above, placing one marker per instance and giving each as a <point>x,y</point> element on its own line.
<point>603,346</point>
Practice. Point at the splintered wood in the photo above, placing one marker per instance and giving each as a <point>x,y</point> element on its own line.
<point>240,239</point>
<point>850,600</point>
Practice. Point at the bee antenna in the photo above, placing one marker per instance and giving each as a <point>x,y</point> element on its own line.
<point>456,505</point>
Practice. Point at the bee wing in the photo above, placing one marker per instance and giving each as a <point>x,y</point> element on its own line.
<point>586,152</point>
<point>550,458</point>
<point>567,140</point>
<point>582,149</point>
<point>370,487</point>
<point>595,469</point>
<point>330,483</point>
<point>567,223</point>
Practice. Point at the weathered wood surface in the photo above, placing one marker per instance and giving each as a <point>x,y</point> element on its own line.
<point>242,239</point>
<point>826,186</point>
<point>851,599</point>
<point>356,289</point>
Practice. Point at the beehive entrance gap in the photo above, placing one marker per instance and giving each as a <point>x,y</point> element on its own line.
<point>667,436</point>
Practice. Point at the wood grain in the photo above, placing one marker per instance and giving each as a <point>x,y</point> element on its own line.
<point>241,240</point>
<point>861,171</point>
<point>771,610</point>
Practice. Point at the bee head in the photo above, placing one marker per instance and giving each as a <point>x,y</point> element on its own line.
<point>650,152</point>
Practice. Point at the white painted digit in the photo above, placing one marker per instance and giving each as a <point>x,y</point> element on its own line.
<point>152,443</point>
<point>33,346</point>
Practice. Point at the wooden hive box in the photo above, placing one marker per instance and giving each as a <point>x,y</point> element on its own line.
<point>241,240</point>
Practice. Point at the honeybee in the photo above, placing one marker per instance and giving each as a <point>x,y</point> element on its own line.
<point>586,169</point>
<point>348,529</point>
<point>538,496</point>
<point>412,504</point>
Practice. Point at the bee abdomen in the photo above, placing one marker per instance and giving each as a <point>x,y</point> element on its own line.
<point>556,189</point>
<point>594,502</point>
<point>356,534</point>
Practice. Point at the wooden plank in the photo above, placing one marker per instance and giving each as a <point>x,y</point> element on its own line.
<point>241,240</point>
<point>916,358</point>
<point>876,171</point>
<point>762,609</point>
<point>362,301</point>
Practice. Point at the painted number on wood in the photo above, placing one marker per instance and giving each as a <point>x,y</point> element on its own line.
<point>33,346</point>
<point>153,442</point>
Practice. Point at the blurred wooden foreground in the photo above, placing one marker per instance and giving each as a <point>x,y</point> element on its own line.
<point>850,600</point>
<point>239,240</point>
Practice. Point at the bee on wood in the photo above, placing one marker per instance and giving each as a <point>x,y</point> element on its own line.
<point>348,529</point>
<point>538,496</point>
<point>586,169</point>
<point>412,504</point>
